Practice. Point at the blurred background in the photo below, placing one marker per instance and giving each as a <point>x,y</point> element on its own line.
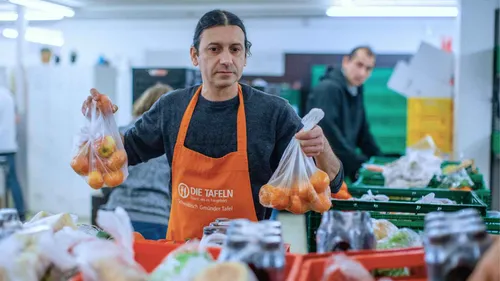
<point>442,52</point>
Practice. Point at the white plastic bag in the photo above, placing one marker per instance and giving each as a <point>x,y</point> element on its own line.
<point>106,260</point>
<point>98,154</point>
<point>298,185</point>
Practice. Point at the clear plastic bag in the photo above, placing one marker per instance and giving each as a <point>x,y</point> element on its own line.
<point>342,268</point>
<point>106,260</point>
<point>459,179</point>
<point>98,154</point>
<point>184,263</point>
<point>298,185</point>
<point>402,238</point>
<point>383,228</point>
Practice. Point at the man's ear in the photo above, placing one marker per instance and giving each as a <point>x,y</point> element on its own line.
<point>194,55</point>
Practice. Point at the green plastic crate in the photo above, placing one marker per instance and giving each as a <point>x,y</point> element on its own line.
<point>404,201</point>
<point>414,222</point>
<point>495,142</point>
<point>369,179</point>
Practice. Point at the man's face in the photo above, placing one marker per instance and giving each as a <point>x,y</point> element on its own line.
<point>221,56</point>
<point>358,68</point>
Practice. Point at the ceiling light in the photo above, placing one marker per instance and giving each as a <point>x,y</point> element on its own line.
<point>394,11</point>
<point>45,7</point>
<point>37,35</point>
<point>30,16</point>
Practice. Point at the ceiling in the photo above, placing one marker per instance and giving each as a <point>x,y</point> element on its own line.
<point>168,9</point>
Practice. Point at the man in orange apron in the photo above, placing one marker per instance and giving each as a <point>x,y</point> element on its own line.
<point>222,139</point>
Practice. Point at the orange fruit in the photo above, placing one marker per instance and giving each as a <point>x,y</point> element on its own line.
<point>307,192</point>
<point>80,164</point>
<point>280,198</point>
<point>113,179</point>
<point>95,180</point>
<point>297,205</point>
<point>98,165</point>
<point>117,160</point>
<point>320,181</point>
<point>265,195</point>
<point>323,204</point>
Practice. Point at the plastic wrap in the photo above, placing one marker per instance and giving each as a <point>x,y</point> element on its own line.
<point>383,229</point>
<point>370,197</point>
<point>401,238</point>
<point>105,260</point>
<point>431,199</point>
<point>415,169</point>
<point>98,154</point>
<point>183,264</point>
<point>298,185</point>
<point>342,268</point>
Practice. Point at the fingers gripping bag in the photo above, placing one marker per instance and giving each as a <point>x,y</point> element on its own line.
<point>298,185</point>
<point>98,152</point>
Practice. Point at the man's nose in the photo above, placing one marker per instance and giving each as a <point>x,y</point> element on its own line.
<point>225,57</point>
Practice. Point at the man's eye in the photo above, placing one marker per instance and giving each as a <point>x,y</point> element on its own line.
<point>213,49</point>
<point>235,50</point>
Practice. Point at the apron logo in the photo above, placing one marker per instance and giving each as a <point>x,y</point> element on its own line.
<point>183,190</point>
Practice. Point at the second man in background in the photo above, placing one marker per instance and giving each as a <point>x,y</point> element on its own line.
<point>340,95</point>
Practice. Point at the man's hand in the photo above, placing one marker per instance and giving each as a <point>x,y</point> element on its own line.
<point>312,142</point>
<point>103,103</point>
<point>488,268</point>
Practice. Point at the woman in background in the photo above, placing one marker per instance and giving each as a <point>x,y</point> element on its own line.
<point>145,195</point>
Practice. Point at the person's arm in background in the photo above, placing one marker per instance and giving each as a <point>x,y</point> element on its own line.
<point>488,267</point>
<point>288,124</point>
<point>327,97</point>
<point>366,142</point>
<point>144,140</point>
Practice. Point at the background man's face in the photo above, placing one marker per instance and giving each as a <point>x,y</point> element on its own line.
<point>358,68</point>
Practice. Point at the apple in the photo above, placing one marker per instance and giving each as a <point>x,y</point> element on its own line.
<point>113,179</point>
<point>95,180</point>
<point>117,160</point>
<point>105,146</point>
<point>80,164</point>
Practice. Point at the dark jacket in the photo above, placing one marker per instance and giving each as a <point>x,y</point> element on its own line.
<point>345,125</point>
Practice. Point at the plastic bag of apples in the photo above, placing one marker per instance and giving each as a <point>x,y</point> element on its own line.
<point>298,185</point>
<point>99,156</point>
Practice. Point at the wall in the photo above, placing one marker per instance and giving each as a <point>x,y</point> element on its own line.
<point>131,43</point>
<point>128,40</point>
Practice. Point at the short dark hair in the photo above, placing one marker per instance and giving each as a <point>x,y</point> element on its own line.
<point>369,51</point>
<point>219,18</point>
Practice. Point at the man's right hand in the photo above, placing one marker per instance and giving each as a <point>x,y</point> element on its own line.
<point>104,104</point>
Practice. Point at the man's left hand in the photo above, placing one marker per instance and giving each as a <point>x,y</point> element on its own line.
<point>312,142</point>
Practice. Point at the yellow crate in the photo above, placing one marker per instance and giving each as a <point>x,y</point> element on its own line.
<point>428,122</point>
<point>430,106</point>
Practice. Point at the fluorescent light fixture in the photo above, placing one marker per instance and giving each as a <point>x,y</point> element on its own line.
<point>45,7</point>
<point>391,11</point>
<point>37,35</point>
<point>30,16</point>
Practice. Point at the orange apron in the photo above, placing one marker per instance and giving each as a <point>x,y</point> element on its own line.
<point>205,188</point>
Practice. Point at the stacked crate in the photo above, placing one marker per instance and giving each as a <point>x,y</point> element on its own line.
<point>386,110</point>
<point>433,117</point>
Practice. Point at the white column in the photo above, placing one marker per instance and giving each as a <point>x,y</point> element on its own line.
<point>21,26</point>
<point>21,102</point>
<point>474,82</point>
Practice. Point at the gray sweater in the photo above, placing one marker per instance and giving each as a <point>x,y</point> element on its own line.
<point>145,194</point>
<point>271,124</point>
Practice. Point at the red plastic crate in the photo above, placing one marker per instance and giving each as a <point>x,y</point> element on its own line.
<point>314,266</point>
<point>149,254</point>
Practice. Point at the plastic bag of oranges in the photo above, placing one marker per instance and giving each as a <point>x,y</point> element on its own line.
<point>99,156</point>
<point>298,185</point>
